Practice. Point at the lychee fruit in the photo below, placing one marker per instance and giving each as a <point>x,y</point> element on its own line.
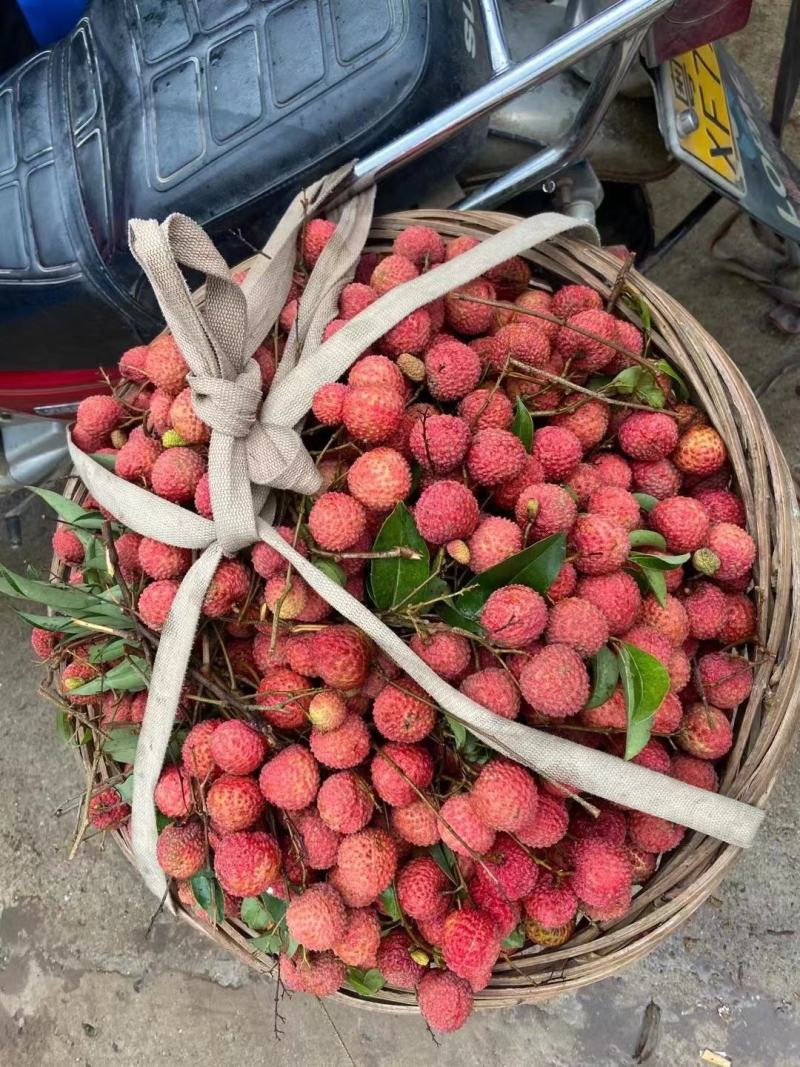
<point>700,451</point>
<point>726,680</point>
<point>327,404</point>
<point>415,823</point>
<point>372,413</point>
<point>682,521</point>
<point>601,543</point>
<point>551,904</point>
<point>422,245</point>
<point>246,862</point>
<point>705,732</point>
<point>495,689</point>
<point>470,945</point>
<point>342,657</point>
<point>403,711</point>
<point>446,511</point>
<point>587,354</point>
<point>445,652</point>
<point>344,802</point>
<point>234,802</point>
<point>175,474</point>
<point>445,1000</point>
<point>358,945</point>
<point>317,918</point>
<point>392,271</point>
<point>545,509</point>
<point>366,864</point>
<point>159,560</point>
<point>558,450</point>
<point>555,682</point>
<point>579,624</point>
<point>336,521</point>
<point>342,748</point>
<point>547,824</point>
<point>602,874</point>
<point>468,316</point>
<point>181,849</point>
<point>290,779</point>
<point>694,771</point>
<point>227,589</point>
<point>400,771</point>
<point>732,552</point>
<point>315,235</point>
<point>513,616</point>
<point>652,834</point>
<point>617,504</point>
<point>705,608</point>
<point>107,810</point>
<point>571,299</point>
<point>410,335</point>
<point>99,415</point>
<point>379,479</point>
<point>276,695</point>
<point>646,435</point>
<point>589,422</point>
<point>421,884</point>
<point>396,964</point>
<point>494,456</point>
<point>486,407</point>
<point>320,843</point>
<point>461,828</point>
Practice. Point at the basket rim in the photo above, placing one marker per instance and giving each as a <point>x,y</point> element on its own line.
<point>764,727</point>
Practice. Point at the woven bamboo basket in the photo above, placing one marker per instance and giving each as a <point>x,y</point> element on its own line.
<point>763,727</point>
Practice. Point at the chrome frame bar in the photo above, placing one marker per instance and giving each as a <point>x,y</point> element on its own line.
<point>622,21</point>
<point>499,55</point>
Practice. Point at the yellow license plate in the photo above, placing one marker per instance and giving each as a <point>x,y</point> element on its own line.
<point>702,120</point>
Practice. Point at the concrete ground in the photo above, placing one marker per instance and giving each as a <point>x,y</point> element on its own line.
<point>82,982</point>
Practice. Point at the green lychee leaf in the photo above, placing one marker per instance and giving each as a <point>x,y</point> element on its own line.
<point>645,501</point>
<point>445,859</point>
<point>390,904</point>
<point>255,915</point>
<point>522,425</point>
<point>635,300</point>
<point>649,538</point>
<point>331,570</point>
<point>658,561</point>
<point>130,676</point>
<point>120,744</point>
<point>398,582</point>
<point>125,789</point>
<point>605,673</point>
<point>449,613</point>
<point>365,983</point>
<point>271,943</point>
<point>67,510</point>
<point>105,459</point>
<point>651,581</point>
<point>645,683</point>
<point>681,388</point>
<point>64,727</point>
<point>107,651</point>
<point>458,730</point>
<point>208,894</point>
<point>515,940</point>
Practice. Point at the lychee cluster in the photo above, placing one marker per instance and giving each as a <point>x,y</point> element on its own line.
<point>313,775</point>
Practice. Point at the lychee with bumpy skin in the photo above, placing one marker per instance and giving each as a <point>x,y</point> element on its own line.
<point>107,810</point>
<point>317,918</point>
<point>551,904</point>
<point>571,299</point>
<point>610,715</point>
<point>165,366</point>
<point>509,868</point>
<point>694,771</point>
<point>733,551</point>
<point>320,843</point>
<point>354,298</point>
<point>513,616</point>
<point>372,413</point>
<point>234,802</point>
<point>67,545</point>
<point>490,897</point>
<point>468,316</point>
<point>422,245</point>
<point>158,560</point>
<point>682,521</point>
<point>127,547</point>
<point>175,474</point>
<point>601,543</point>
<point>379,478</point>
<point>587,354</point>
<point>358,945</point>
<point>400,771</point>
<point>613,469</point>
<point>558,450</point>
<point>452,368</point>
<point>700,451</point>
<point>617,504</point>
<point>439,443</point>
<point>43,642</point>
<point>319,974</point>
<point>705,608</point>
<point>445,652</point>
<point>336,521</point>
<point>403,711</point>
<point>281,698</point>
<point>445,1000</point>
<point>494,540</point>
<point>504,795</point>
<point>410,335</point>
<point>589,422</point>
<point>236,747</point>
<point>196,757</point>
<point>415,823</point>
<point>506,494</point>
<point>246,862</point>
<point>290,780</point>
<point>327,404</point>
<point>181,850</point>
<point>344,802</point>
<point>267,561</point>
<point>739,623</point>
<point>555,682</point>
<point>579,624</point>
<point>446,511</point>
<point>648,435</point>
<point>659,478</point>
<point>494,456</point>
<point>327,711</point>
<point>99,415</point>
<point>173,793</point>
<point>524,342</point>
<point>315,235</point>
<point>649,640</point>
<point>485,407</point>
<point>155,601</point>
<point>342,656</point>
<point>342,748</point>
<point>670,618</point>
<point>286,596</point>
<point>470,943</point>
<point>546,825</point>
<point>131,363</point>
<point>462,829</point>
<point>366,864</point>
<point>495,689</point>
<point>185,421</point>
<point>722,505</point>
<point>668,715</point>
<point>726,680</point>
<point>392,271</point>
<point>544,509</point>
<point>705,732</point>
<point>421,884</point>
<point>395,962</point>
<point>227,589</point>
<point>652,834</point>
<point>602,873</point>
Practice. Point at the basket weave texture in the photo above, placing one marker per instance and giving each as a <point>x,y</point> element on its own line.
<point>763,727</point>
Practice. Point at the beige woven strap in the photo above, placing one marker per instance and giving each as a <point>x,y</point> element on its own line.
<point>271,448</point>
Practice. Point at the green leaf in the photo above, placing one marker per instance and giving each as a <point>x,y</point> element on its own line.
<point>458,730</point>
<point>645,683</point>
<point>645,501</point>
<point>628,380</point>
<point>271,943</point>
<point>64,726</point>
<point>120,744</point>
<point>658,561</point>
<point>105,460</point>
<point>367,983</point>
<point>61,597</point>
<point>54,623</point>
<point>125,789</point>
<point>653,395</point>
<point>107,651</point>
<point>605,672</point>
<point>652,581</point>
<point>130,676</point>
<point>639,304</point>
<point>208,894</point>
<point>68,510</point>
<point>450,614</point>
<point>390,904</point>
<point>275,906</point>
<point>522,426</point>
<point>255,915</point>
<point>516,939</point>
<point>331,570</point>
<point>651,538</point>
<point>395,582</point>
<point>445,858</point>
<point>682,390</point>
<point>474,751</point>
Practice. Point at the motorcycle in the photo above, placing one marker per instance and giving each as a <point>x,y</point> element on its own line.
<point>222,108</point>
